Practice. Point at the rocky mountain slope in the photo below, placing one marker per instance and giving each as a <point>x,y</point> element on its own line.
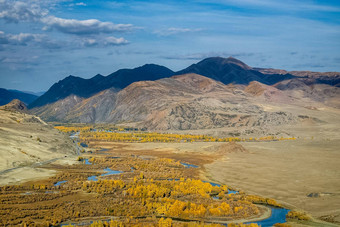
<point>226,70</point>
<point>190,102</point>
<point>239,98</point>
<point>7,96</point>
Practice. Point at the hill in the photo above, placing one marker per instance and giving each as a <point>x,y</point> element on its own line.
<point>15,105</point>
<point>26,141</point>
<point>7,96</point>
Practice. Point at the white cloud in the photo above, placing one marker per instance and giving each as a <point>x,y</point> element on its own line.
<point>104,42</point>
<point>173,31</point>
<point>37,11</point>
<point>112,41</point>
<point>25,39</point>
<point>83,27</point>
<point>80,4</point>
<point>20,39</point>
<point>15,11</point>
<point>77,4</point>
<point>90,42</point>
<point>40,40</point>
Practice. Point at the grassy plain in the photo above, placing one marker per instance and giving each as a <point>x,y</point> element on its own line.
<point>302,174</point>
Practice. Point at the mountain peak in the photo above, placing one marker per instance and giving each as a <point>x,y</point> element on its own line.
<point>97,77</point>
<point>225,61</point>
<point>150,67</point>
<point>225,70</point>
<point>70,77</point>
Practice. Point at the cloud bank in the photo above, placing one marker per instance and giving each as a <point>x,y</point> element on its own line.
<point>36,11</point>
<point>83,27</point>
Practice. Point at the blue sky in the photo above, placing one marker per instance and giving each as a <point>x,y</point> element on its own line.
<point>42,42</point>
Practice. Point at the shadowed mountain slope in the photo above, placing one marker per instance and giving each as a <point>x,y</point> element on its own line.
<point>7,96</point>
<point>330,78</point>
<point>85,88</point>
<point>231,70</point>
<point>226,70</point>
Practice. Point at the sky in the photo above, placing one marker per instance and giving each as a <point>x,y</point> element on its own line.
<point>44,41</point>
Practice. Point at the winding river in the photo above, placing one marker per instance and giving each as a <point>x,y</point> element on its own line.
<point>107,171</point>
<point>278,215</point>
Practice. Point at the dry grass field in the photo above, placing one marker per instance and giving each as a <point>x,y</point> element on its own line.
<point>27,142</point>
<point>302,174</point>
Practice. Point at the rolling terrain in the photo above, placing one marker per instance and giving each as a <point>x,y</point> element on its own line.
<point>218,97</point>
<point>27,142</point>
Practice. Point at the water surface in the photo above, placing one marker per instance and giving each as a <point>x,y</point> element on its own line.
<point>278,216</point>
<point>108,172</point>
<point>189,165</point>
<point>60,182</point>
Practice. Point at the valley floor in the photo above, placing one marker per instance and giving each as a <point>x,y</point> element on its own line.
<point>300,174</point>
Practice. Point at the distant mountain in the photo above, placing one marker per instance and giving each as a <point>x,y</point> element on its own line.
<point>231,70</point>
<point>150,102</point>
<point>193,102</point>
<point>226,93</point>
<point>226,70</point>
<point>85,88</point>
<point>29,92</point>
<point>330,78</point>
<point>7,96</point>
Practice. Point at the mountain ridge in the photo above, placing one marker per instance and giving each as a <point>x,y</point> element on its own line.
<point>86,87</point>
<point>233,95</point>
<point>226,70</point>
<point>196,102</point>
<point>7,95</point>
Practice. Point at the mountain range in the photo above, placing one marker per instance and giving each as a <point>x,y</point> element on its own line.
<point>226,70</point>
<point>87,87</point>
<point>214,93</point>
<point>7,96</point>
